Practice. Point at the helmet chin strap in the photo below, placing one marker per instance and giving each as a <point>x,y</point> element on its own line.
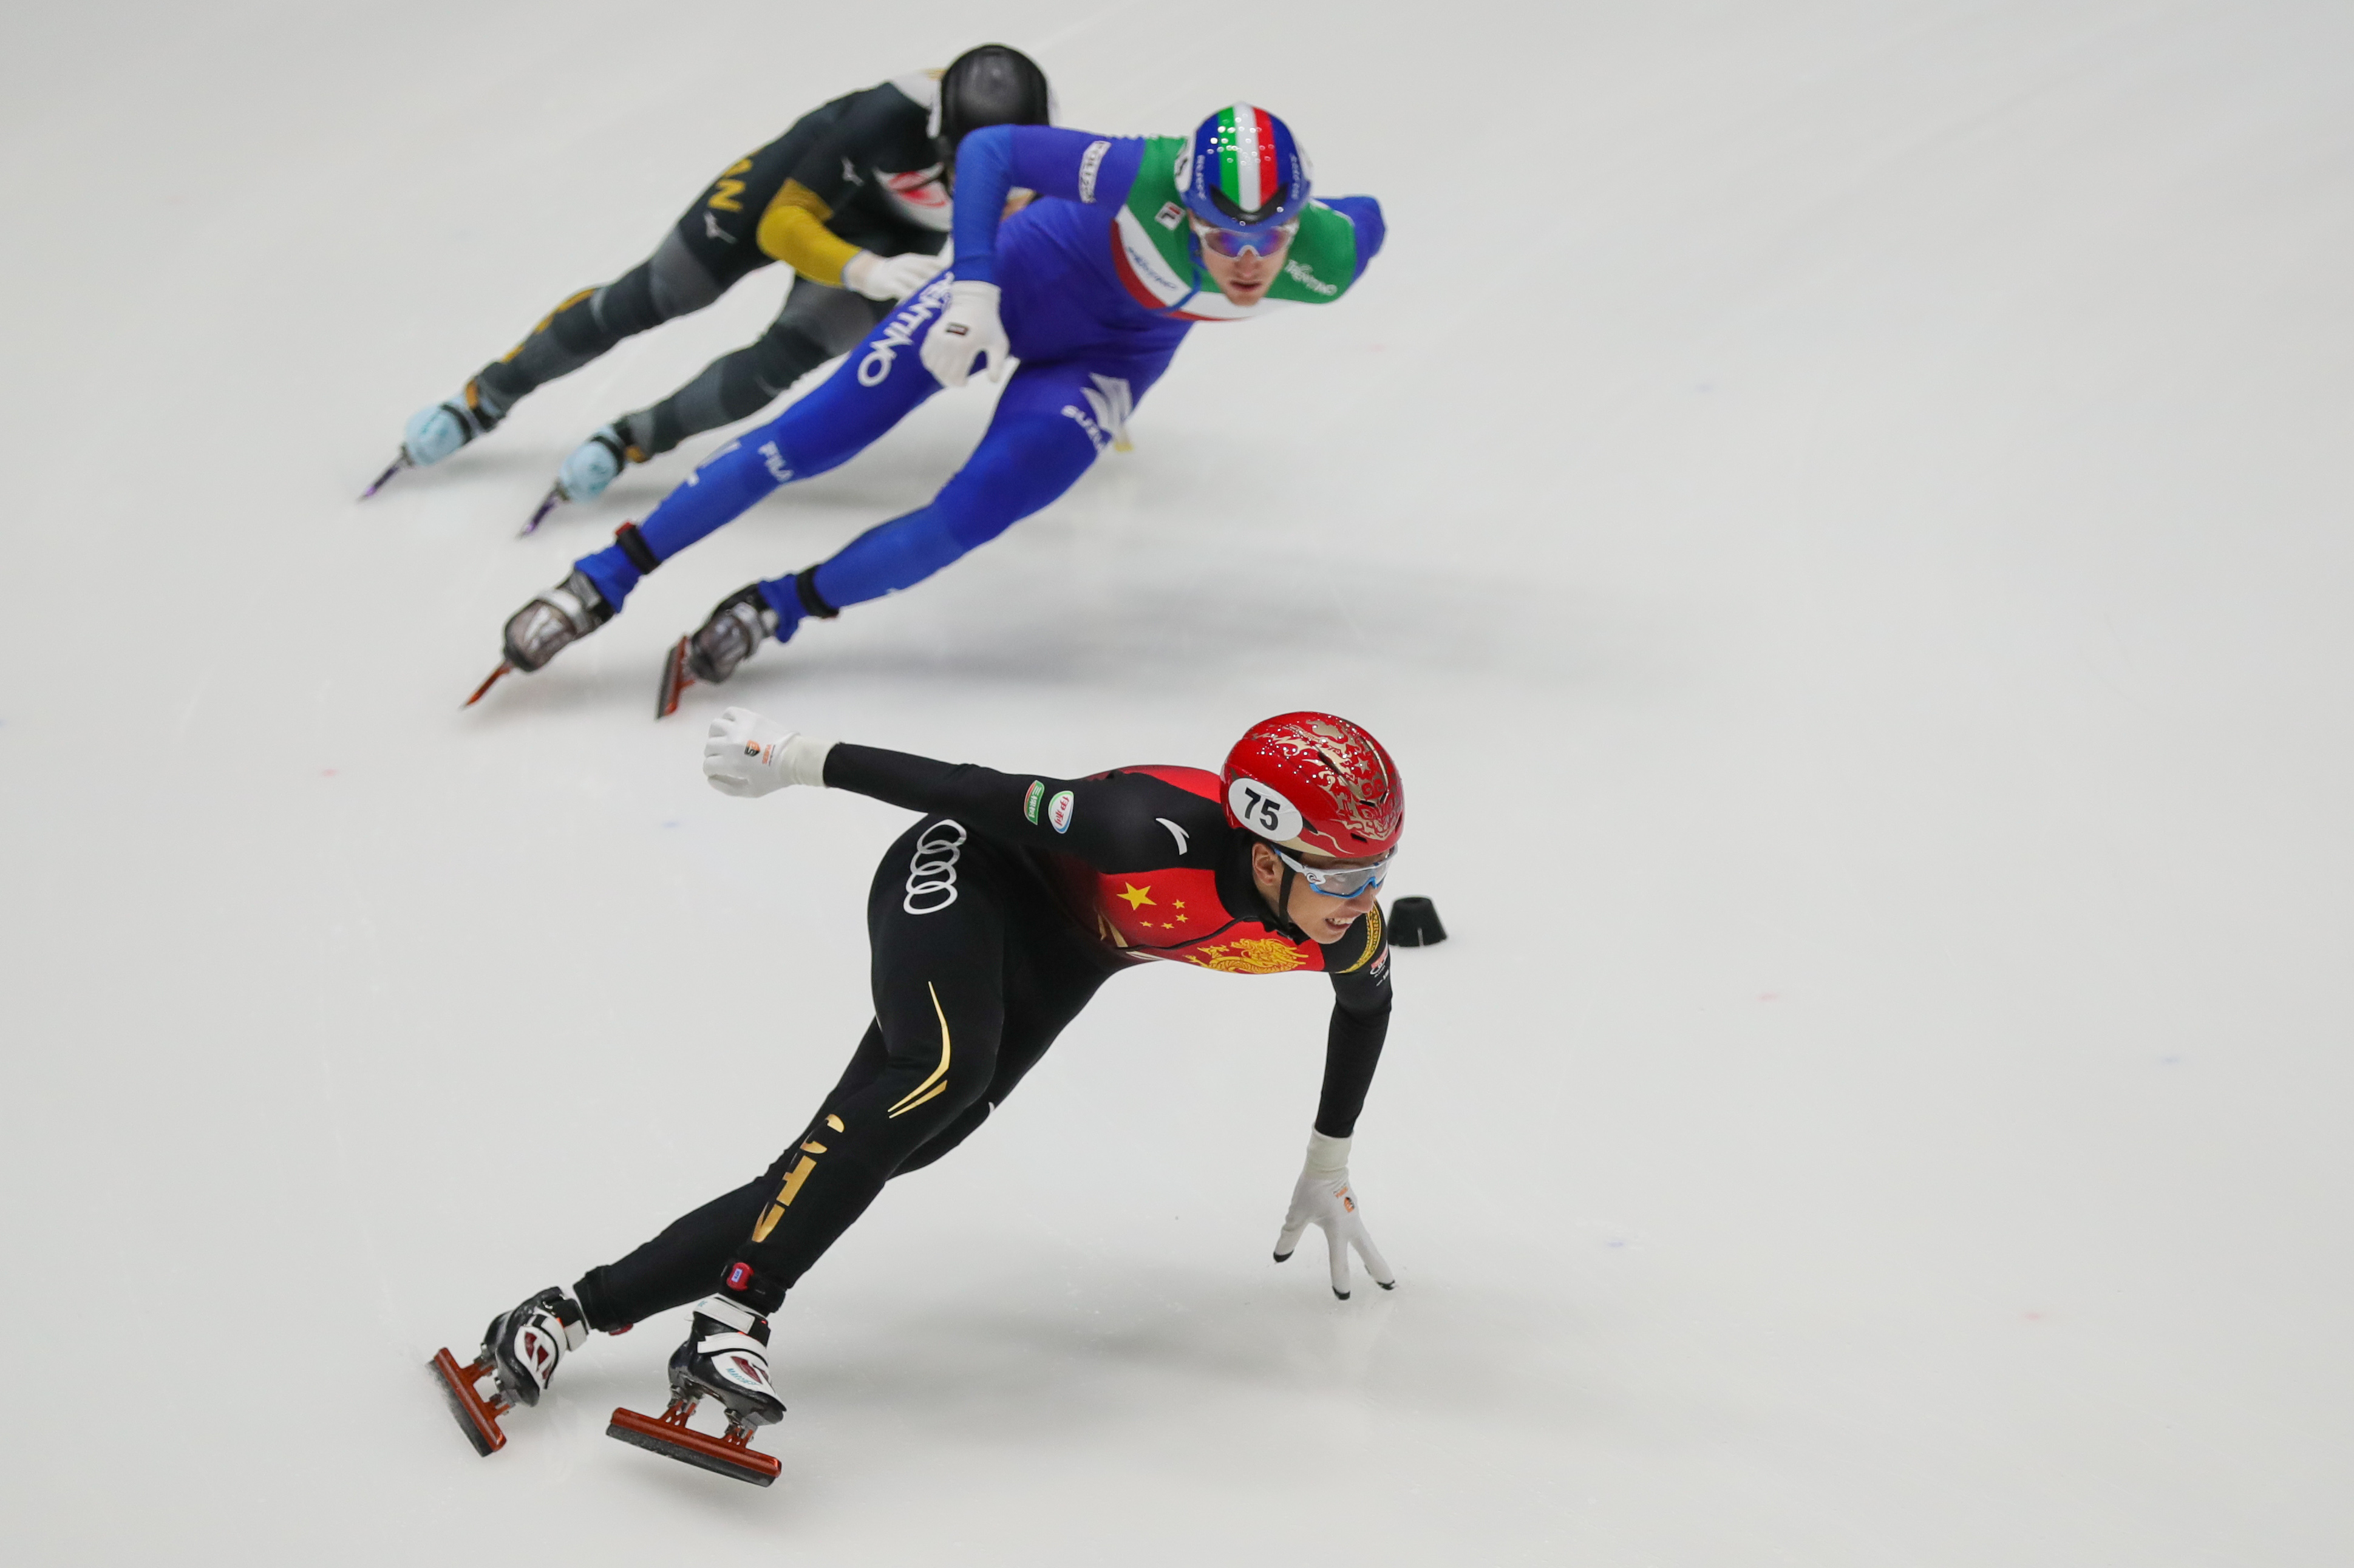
<point>1283,922</point>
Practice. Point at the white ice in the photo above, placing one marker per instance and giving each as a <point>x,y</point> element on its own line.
<point>1840,509</point>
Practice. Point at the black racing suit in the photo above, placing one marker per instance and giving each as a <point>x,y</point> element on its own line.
<point>992,921</point>
<point>849,177</point>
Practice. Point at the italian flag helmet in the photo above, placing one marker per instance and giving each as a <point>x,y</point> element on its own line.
<point>1243,172</point>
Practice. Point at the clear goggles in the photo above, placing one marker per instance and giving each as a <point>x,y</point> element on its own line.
<point>1339,881</point>
<point>1234,243</point>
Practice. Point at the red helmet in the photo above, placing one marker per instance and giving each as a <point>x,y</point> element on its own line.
<point>1312,781</point>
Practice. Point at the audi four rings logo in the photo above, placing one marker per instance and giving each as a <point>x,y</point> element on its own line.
<point>931,874</point>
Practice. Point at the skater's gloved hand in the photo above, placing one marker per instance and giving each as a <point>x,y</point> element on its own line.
<point>1323,1199</point>
<point>967,329</point>
<point>889,277</point>
<point>747,754</point>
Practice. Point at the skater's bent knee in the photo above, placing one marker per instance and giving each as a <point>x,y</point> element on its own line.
<point>680,283</point>
<point>783,355</point>
<point>625,307</point>
<point>947,1138</point>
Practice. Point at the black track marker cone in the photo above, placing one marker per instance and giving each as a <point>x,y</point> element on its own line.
<point>1413,923</point>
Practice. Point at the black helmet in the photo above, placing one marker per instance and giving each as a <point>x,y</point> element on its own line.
<point>992,85</point>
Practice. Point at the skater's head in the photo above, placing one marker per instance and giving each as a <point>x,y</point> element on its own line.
<point>1243,279</point>
<point>1327,807</point>
<point>1244,180</point>
<point>992,85</point>
<point>1318,895</point>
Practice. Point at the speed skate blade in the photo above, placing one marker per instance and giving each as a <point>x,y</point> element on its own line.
<point>386,477</point>
<point>488,682</point>
<point>676,1440</point>
<point>547,503</point>
<point>477,1420</point>
<point>676,678</point>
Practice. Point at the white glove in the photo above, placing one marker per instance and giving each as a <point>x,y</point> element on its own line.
<point>967,329</point>
<point>747,754</point>
<point>890,277</point>
<point>1323,1199</point>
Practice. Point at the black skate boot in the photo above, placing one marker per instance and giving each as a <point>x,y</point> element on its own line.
<point>520,1352</point>
<point>736,626</point>
<point>550,623</point>
<point>725,1358</point>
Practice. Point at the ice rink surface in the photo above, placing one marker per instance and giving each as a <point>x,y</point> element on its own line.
<point>1838,509</point>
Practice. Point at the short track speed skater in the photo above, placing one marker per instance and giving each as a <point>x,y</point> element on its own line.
<point>992,920</point>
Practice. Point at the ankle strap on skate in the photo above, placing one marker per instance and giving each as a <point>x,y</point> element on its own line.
<point>813,601</point>
<point>734,1314</point>
<point>745,1344</point>
<point>632,545</point>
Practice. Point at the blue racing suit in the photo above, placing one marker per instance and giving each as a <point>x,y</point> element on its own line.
<point>1089,349</point>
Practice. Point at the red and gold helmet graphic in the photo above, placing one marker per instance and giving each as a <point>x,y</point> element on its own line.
<point>1313,782</point>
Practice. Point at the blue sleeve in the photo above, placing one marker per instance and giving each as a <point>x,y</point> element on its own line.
<point>1365,214</point>
<point>1073,164</point>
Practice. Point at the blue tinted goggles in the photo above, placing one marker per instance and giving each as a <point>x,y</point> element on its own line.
<point>1339,881</point>
<point>1234,242</point>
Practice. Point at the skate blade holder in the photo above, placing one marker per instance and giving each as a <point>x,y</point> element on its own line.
<point>478,1417</point>
<point>675,679</point>
<point>488,682</point>
<point>731,1456</point>
<point>547,503</point>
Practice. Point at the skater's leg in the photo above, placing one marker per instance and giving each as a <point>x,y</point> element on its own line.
<point>945,915</point>
<point>711,248</point>
<point>869,392</point>
<point>708,250</point>
<point>681,1264</point>
<point>1049,978</point>
<point>675,281</point>
<point>817,324</point>
<point>677,1267</point>
<point>1049,425</point>
<point>937,918</point>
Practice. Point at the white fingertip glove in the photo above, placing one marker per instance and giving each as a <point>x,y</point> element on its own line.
<point>1323,1199</point>
<point>889,277</point>
<point>747,754</point>
<point>967,329</point>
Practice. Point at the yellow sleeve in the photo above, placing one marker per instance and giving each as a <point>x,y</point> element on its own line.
<point>793,231</point>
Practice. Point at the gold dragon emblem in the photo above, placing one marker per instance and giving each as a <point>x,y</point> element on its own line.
<point>1249,956</point>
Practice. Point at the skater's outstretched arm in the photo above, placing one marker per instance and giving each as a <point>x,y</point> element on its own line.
<point>1073,164</point>
<point>1117,821</point>
<point>793,227</point>
<point>1365,215</point>
<point>1360,966</point>
<point>1323,1195</point>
